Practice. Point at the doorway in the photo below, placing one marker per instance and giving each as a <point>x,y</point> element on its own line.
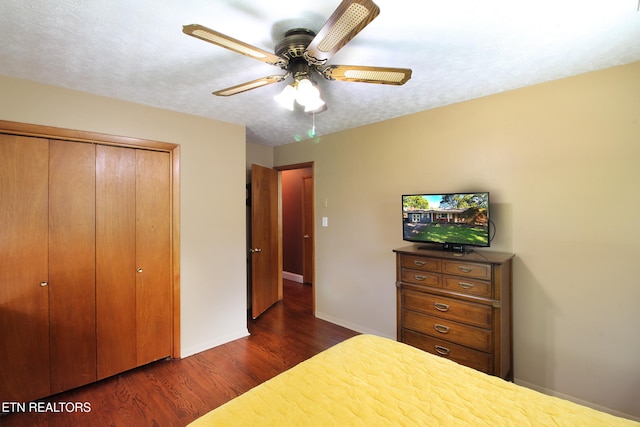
<point>298,223</point>
<point>281,248</point>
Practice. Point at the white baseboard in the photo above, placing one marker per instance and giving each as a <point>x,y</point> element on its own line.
<point>574,399</point>
<point>352,326</point>
<point>190,351</point>
<point>292,276</point>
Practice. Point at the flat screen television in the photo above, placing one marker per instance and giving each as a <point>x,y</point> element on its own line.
<point>456,221</point>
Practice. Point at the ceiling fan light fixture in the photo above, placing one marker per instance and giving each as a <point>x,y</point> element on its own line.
<point>287,97</point>
<point>304,92</point>
<point>315,106</point>
<point>303,52</point>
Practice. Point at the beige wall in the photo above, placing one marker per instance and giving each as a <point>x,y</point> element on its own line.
<point>561,162</point>
<point>260,155</point>
<point>213,264</point>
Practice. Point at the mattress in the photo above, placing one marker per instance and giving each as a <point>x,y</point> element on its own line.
<point>372,381</point>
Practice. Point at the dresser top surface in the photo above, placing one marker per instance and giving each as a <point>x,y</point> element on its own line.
<point>474,256</point>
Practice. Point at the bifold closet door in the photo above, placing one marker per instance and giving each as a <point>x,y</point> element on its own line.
<point>24,300</point>
<point>115,259</point>
<point>133,265</point>
<point>153,255</point>
<point>72,264</point>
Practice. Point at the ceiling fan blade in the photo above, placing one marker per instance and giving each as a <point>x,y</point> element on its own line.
<point>254,84</point>
<point>364,74</point>
<point>219,39</point>
<point>344,24</point>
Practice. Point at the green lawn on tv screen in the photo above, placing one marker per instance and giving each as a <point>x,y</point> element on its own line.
<point>451,233</point>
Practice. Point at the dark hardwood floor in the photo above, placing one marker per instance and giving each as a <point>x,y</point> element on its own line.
<point>175,392</point>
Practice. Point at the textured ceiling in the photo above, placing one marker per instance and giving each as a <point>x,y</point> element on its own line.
<point>458,49</point>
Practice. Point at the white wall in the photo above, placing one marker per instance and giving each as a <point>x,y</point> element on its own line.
<point>213,264</point>
<point>561,162</point>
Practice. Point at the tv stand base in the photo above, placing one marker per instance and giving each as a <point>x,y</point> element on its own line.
<point>456,248</point>
<point>449,247</point>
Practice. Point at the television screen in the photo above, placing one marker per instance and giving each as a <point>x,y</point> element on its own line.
<point>454,220</point>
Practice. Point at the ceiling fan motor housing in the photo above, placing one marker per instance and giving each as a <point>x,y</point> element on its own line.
<point>294,43</point>
<point>292,49</point>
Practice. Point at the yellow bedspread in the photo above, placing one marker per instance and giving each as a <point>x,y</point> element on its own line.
<point>373,381</point>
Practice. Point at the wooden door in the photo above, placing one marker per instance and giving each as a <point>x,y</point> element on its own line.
<point>266,244</point>
<point>115,259</point>
<point>72,264</point>
<point>153,256</point>
<point>133,288</point>
<point>307,229</point>
<point>24,301</point>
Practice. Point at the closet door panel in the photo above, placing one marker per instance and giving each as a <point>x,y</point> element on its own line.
<point>153,256</point>
<point>72,264</point>
<point>115,259</point>
<point>24,307</point>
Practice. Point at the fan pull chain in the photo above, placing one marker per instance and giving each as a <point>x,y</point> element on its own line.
<point>312,132</point>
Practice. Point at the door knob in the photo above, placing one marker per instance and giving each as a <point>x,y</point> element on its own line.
<point>256,250</point>
<point>306,236</point>
<point>44,283</point>
<point>139,270</point>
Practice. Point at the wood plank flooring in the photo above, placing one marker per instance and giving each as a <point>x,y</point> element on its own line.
<point>175,392</point>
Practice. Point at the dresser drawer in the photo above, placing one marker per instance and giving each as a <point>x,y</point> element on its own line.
<point>459,333</point>
<point>448,308</point>
<point>465,356</point>
<point>421,277</point>
<point>420,263</point>
<point>479,288</point>
<point>467,269</point>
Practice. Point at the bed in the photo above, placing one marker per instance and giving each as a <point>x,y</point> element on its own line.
<point>372,381</point>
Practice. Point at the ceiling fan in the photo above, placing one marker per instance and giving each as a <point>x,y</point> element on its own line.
<point>303,53</point>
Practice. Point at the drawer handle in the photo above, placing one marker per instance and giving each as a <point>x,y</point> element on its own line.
<point>441,328</point>
<point>465,285</point>
<point>419,263</point>
<point>444,351</point>
<point>465,269</point>
<point>441,307</point>
<point>418,277</point>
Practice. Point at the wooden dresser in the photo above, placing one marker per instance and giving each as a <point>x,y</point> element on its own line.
<point>457,306</point>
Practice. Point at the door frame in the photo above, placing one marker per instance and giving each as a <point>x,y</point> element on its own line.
<point>308,223</point>
<point>313,215</point>
<point>49,132</point>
